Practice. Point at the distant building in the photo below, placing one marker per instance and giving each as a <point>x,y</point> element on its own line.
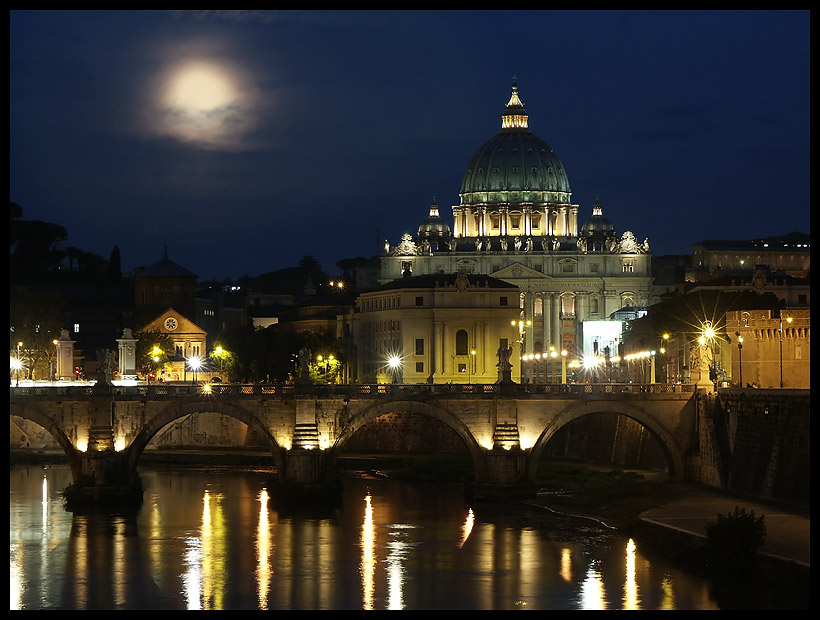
<point>775,351</point>
<point>789,254</point>
<point>163,285</point>
<point>189,342</point>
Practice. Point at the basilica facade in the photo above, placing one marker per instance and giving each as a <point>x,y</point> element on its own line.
<point>516,222</point>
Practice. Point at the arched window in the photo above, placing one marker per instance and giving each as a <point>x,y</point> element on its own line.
<point>462,342</point>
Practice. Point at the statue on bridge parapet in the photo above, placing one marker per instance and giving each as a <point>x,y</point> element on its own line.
<point>504,365</point>
<point>304,364</point>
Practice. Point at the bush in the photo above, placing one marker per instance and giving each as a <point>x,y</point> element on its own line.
<point>733,540</point>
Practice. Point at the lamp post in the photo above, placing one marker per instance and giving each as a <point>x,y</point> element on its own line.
<point>19,363</point>
<point>219,351</point>
<point>470,366</point>
<point>780,333</point>
<point>563,365</point>
<point>194,363</point>
<point>521,325</point>
<point>740,355</point>
<point>394,363</point>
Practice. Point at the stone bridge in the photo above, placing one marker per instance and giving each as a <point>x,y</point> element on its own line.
<point>105,428</point>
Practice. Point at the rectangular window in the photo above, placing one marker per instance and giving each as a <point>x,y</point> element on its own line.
<point>462,367</point>
<point>420,367</point>
<point>419,346</point>
<point>419,301</point>
<point>76,328</point>
<point>503,301</point>
<point>593,268</point>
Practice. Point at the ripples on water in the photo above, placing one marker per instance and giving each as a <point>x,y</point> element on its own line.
<point>210,540</point>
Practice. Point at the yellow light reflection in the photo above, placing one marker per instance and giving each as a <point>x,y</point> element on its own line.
<point>397,551</point>
<point>668,589</point>
<point>368,565</point>
<point>566,564</point>
<point>204,579</point>
<point>16,577</point>
<point>192,578</point>
<point>631,600</point>
<point>592,590</point>
<point>118,568</point>
<point>467,528</point>
<point>214,553</point>
<point>82,444</point>
<point>264,548</point>
<point>119,444</point>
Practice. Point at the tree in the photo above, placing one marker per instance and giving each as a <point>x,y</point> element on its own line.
<point>152,351</point>
<point>733,540</point>
<point>35,319</point>
<point>114,267</point>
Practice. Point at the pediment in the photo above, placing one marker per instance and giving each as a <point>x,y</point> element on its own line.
<point>174,323</point>
<point>518,271</point>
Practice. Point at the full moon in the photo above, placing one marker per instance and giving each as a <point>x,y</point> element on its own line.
<point>205,103</point>
<point>199,88</point>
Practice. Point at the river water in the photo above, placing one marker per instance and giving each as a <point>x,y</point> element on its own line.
<point>212,540</point>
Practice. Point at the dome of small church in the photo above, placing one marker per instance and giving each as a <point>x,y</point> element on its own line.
<point>597,225</point>
<point>515,165</point>
<point>433,228</point>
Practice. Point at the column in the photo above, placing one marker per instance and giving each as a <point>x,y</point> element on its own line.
<point>127,364</point>
<point>65,357</point>
<point>546,319</point>
<point>527,221</point>
<point>555,333</point>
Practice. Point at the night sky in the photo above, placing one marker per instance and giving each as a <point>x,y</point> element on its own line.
<point>244,140</point>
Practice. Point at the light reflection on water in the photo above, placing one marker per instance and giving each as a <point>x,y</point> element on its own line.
<point>205,540</point>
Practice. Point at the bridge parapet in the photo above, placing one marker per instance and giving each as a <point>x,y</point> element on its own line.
<point>382,390</point>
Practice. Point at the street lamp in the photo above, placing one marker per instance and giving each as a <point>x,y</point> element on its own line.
<point>740,355</point>
<point>328,362</point>
<point>195,363</point>
<point>553,355</point>
<point>521,325</point>
<point>219,354</point>
<point>394,363</point>
<point>563,365</point>
<point>470,367</point>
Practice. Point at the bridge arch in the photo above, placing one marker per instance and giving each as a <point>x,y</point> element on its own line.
<point>179,409</point>
<point>448,418</point>
<point>672,450</point>
<point>35,414</point>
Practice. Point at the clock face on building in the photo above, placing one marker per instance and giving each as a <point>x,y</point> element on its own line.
<point>170,324</point>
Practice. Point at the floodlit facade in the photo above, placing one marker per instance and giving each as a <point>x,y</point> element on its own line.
<point>771,351</point>
<point>435,329</point>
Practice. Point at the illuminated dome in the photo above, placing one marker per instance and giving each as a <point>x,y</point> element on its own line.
<point>433,228</point>
<point>515,184</point>
<point>515,165</point>
<point>597,225</point>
